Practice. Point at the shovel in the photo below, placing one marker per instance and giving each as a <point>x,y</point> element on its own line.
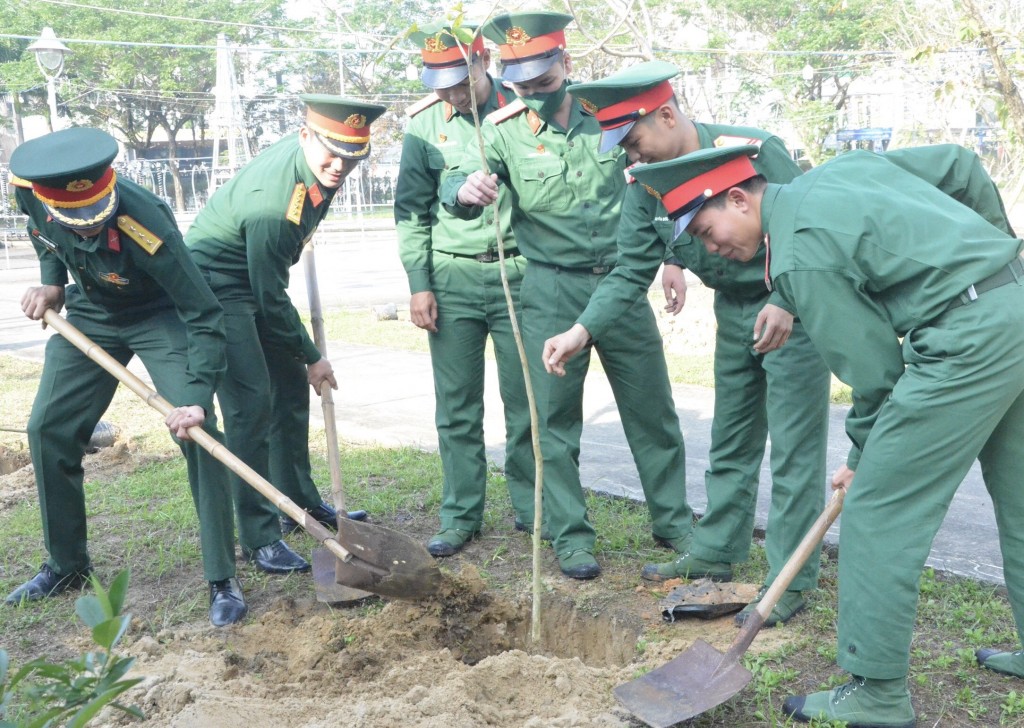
<point>702,677</point>
<point>388,563</point>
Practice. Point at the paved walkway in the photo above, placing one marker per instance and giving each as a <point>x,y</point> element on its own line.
<point>386,397</point>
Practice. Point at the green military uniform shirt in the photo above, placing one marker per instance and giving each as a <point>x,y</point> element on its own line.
<point>645,234</point>
<point>437,139</point>
<point>562,214</point>
<point>135,266</point>
<point>253,231</point>
<point>888,289</point>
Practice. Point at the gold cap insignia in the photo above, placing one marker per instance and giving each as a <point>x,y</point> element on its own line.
<point>355,121</point>
<point>79,185</point>
<point>517,36</point>
<point>435,45</point>
<point>589,106</point>
<point>651,191</point>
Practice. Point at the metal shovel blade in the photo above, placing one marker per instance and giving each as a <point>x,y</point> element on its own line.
<point>328,590</point>
<point>690,683</point>
<point>385,562</point>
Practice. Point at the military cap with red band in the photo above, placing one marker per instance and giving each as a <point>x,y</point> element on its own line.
<point>529,43</point>
<point>342,125</point>
<point>444,57</point>
<point>71,175</point>
<point>685,183</point>
<point>619,100</point>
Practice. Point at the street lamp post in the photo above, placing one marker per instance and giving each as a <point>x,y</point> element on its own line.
<point>50,54</point>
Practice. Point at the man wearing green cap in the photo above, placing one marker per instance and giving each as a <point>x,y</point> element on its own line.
<point>135,291</point>
<point>245,241</point>
<point>457,295</point>
<point>566,197</point>
<point>917,302</point>
<point>762,388</point>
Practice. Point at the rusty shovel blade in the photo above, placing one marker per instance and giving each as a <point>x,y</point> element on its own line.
<point>687,685</point>
<point>384,562</point>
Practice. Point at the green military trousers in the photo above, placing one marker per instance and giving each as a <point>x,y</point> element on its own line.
<point>470,306</point>
<point>961,397</point>
<point>264,398</point>
<point>783,395</point>
<point>634,361</point>
<point>73,394</point>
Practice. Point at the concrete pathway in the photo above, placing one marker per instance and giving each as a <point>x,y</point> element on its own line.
<point>386,397</point>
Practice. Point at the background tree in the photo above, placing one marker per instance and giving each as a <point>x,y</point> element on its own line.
<point>131,88</point>
<point>975,50</point>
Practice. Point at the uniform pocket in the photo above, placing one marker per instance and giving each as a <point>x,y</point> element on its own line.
<point>541,185</point>
<point>436,159</point>
<point>927,345</point>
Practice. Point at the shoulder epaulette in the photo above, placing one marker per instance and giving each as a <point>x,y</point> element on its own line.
<point>507,112</point>
<point>736,141</point>
<point>18,181</point>
<point>143,237</point>
<point>294,212</point>
<point>425,103</point>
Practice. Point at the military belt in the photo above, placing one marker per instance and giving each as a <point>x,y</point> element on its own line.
<point>594,270</point>
<point>491,256</point>
<point>1012,271</point>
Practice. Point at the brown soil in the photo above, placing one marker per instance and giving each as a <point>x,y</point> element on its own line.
<point>463,658</point>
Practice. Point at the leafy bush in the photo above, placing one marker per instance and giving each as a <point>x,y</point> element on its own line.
<point>71,693</point>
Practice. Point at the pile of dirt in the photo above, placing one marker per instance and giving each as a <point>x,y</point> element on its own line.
<point>461,659</point>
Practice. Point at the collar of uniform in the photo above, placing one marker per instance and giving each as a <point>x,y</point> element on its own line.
<point>768,200</point>
<point>90,245</point>
<point>490,105</point>
<point>704,137</point>
<point>305,175</point>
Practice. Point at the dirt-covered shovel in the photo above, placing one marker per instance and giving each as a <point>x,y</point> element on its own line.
<point>338,581</point>
<point>702,677</point>
<point>387,562</point>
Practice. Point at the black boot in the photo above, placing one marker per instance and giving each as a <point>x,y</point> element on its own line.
<point>276,558</point>
<point>227,604</point>
<point>324,514</point>
<point>48,583</point>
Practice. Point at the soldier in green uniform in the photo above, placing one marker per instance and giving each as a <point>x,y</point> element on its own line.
<point>457,295</point>
<point>566,196</point>
<point>245,241</point>
<point>135,291</point>
<point>917,302</point>
<point>762,388</point>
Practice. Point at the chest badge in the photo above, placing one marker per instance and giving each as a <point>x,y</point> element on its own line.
<point>114,278</point>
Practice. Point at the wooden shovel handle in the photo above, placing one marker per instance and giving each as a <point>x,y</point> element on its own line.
<point>205,440</point>
<point>316,319</point>
<point>771,597</point>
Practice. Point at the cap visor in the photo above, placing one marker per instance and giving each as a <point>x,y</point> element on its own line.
<point>611,137</point>
<point>85,218</point>
<point>683,221</point>
<point>444,77</point>
<point>344,149</point>
<point>527,70</point>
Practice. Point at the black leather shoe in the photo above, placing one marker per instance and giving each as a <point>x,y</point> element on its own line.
<point>324,513</point>
<point>276,558</point>
<point>227,605</point>
<point>48,583</point>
